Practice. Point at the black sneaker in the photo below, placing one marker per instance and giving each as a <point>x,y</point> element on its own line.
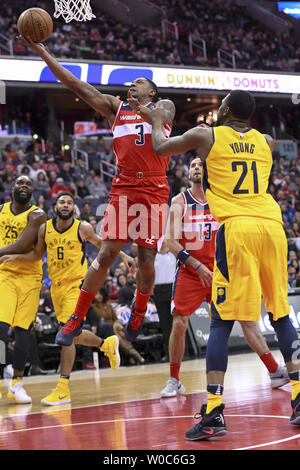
<point>211,425</point>
<point>295,418</point>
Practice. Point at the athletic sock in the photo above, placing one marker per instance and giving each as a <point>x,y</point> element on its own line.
<point>64,380</point>
<point>215,396</point>
<point>83,303</point>
<point>295,382</point>
<point>269,361</point>
<point>141,300</point>
<point>174,370</point>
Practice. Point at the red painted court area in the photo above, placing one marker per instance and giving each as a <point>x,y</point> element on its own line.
<point>257,419</point>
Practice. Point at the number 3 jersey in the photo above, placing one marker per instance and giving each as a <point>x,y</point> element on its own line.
<point>199,228</point>
<point>236,175</point>
<point>12,226</point>
<point>134,155</point>
<point>65,253</point>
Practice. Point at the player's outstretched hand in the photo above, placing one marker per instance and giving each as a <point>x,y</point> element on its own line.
<point>35,46</point>
<point>205,276</point>
<point>133,103</point>
<point>8,258</point>
<point>129,261</point>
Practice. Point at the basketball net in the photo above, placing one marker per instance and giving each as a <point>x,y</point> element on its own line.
<point>78,10</point>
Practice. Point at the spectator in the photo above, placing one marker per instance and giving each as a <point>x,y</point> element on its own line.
<point>58,187</point>
<point>126,292</point>
<point>41,184</point>
<point>109,324</point>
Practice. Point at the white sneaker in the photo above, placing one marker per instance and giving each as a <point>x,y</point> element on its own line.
<point>173,388</point>
<point>280,377</point>
<point>18,393</point>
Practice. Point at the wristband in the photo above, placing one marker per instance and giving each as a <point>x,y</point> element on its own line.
<point>183,255</point>
<point>199,266</point>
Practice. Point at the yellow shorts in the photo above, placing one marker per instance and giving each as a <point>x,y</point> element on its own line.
<point>20,296</point>
<point>64,299</point>
<point>250,264</point>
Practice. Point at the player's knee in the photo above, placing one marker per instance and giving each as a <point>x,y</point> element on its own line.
<point>4,327</point>
<point>107,256</point>
<point>180,322</point>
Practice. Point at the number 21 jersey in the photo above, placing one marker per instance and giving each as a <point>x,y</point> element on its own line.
<point>236,175</point>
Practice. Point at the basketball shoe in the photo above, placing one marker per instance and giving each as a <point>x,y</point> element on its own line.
<point>72,328</point>
<point>295,418</point>
<point>110,348</point>
<point>135,324</point>
<point>173,388</point>
<point>211,425</point>
<point>280,377</point>
<point>17,392</point>
<point>59,396</point>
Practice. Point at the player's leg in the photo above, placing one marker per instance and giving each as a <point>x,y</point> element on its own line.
<point>236,295</point>
<point>93,281</point>
<point>275,296</point>
<point>28,296</point>
<point>278,373</point>
<point>145,279</point>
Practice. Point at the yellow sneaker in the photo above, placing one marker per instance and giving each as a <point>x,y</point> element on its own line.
<point>110,348</point>
<point>59,396</point>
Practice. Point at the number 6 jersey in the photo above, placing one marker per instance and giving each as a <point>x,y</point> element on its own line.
<point>236,175</point>
<point>65,253</point>
<point>11,227</point>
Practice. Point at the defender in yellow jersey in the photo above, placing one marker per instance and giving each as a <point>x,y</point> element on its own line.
<point>251,247</point>
<point>63,240</point>
<point>20,284</point>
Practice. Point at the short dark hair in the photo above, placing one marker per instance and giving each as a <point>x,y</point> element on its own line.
<point>64,193</point>
<point>241,104</point>
<point>154,87</point>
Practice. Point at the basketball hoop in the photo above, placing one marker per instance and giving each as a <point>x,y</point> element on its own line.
<point>78,10</point>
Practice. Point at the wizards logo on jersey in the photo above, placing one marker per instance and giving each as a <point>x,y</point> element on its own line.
<point>221,295</point>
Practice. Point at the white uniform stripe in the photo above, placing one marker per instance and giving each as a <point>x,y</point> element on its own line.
<point>124,129</point>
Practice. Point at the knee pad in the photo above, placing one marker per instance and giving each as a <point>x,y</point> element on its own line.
<point>286,334</point>
<point>217,345</point>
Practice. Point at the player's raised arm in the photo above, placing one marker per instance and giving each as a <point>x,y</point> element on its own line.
<point>198,138</point>
<point>104,104</point>
<point>166,105</point>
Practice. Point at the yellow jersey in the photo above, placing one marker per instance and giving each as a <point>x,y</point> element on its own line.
<point>11,227</point>
<point>236,175</point>
<point>65,253</point>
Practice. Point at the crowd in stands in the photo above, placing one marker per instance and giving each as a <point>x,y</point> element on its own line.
<point>223,25</point>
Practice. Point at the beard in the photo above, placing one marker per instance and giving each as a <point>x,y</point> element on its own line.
<point>67,216</point>
<point>21,199</point>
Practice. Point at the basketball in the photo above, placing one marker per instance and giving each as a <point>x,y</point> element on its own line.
<point>35,23</point>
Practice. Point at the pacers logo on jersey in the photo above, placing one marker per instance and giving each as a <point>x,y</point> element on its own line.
<point>221,295</point>
<point>61,248</point>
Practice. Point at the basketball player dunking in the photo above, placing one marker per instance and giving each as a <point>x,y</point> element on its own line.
<point>251,247</point>
<point>141,185</point>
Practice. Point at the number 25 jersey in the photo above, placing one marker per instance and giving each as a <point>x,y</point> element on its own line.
<point>236,175</point>
<point>12,226</point>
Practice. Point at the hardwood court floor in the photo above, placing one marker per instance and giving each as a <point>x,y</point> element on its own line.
<point>122,410</point>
